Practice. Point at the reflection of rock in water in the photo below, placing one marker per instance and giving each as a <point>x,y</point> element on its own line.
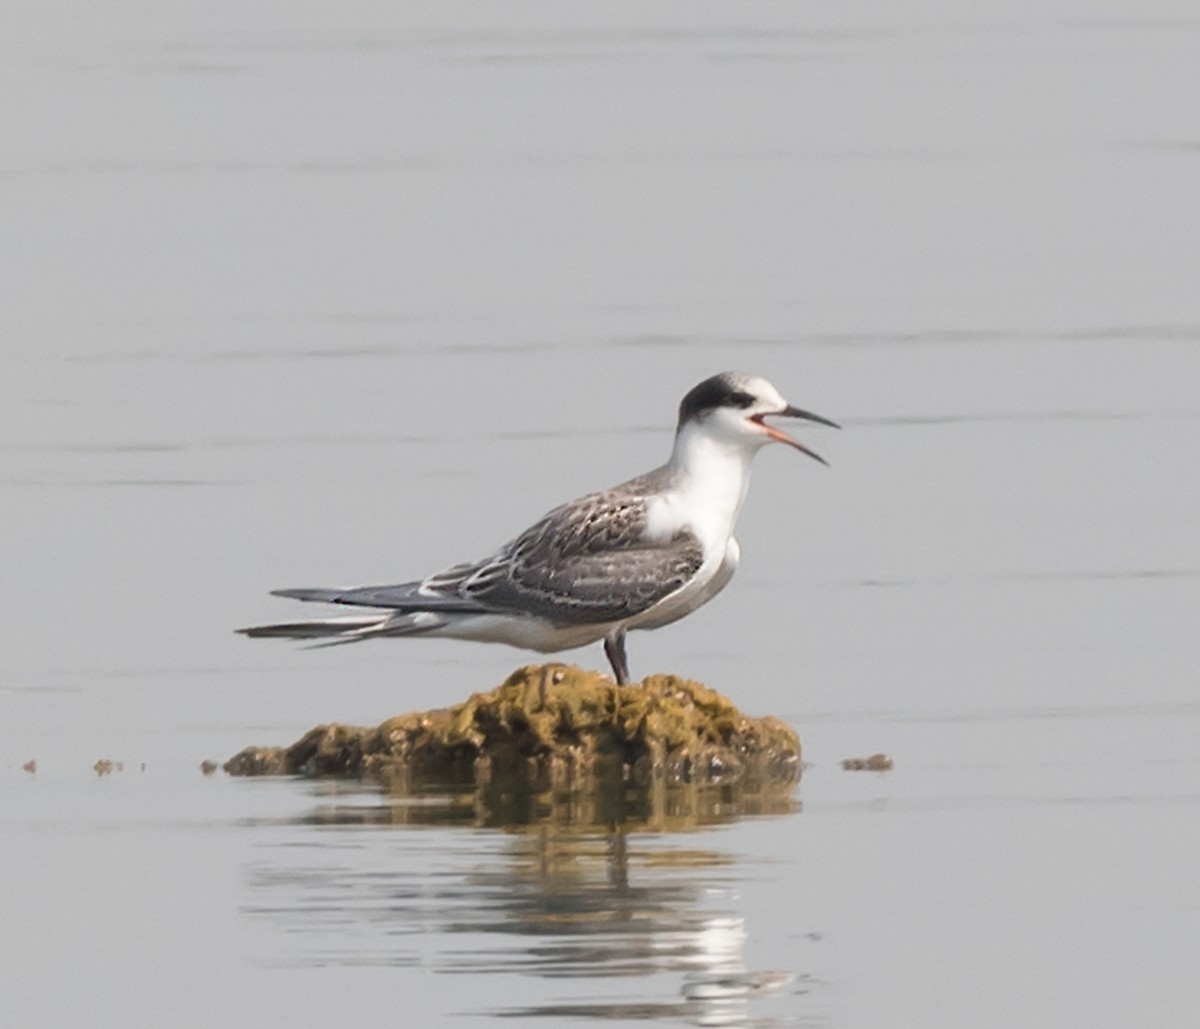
<point>514,801</point>
<point>556,725</point>
<point>626,915</point>
<point>585,777</point>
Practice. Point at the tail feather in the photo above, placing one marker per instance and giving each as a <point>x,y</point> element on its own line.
<point>348,629</point>
<point>316,628</point>
<point>408,612</point>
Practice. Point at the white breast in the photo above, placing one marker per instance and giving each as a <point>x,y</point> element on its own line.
<point>705,503</point>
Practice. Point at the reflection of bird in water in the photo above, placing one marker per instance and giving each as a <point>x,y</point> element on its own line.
<point>630,911</point>
<point>638,556</point>
<point>632,926</point>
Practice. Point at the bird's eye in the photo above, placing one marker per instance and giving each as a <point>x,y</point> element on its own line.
<point>738,398</point>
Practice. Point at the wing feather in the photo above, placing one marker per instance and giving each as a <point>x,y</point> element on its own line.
<point>585,562</point>
<point>589,561</point>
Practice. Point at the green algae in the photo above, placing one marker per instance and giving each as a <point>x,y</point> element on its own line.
<point>555,727</point>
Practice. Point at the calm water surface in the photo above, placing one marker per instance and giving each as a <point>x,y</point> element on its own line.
<point>303,295</point>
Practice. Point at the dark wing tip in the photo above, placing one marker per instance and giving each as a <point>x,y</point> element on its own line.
<point>307,593</point>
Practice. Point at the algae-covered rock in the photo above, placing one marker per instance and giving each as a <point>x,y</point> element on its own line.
<point>559,725</point>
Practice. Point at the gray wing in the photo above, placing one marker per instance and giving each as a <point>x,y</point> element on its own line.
<point>587,561</point>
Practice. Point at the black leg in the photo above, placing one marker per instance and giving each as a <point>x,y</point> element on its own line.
<point>614,649</point>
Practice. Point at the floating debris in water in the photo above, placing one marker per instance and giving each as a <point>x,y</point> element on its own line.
<point>30,766</point>
<point>874,763</point>
<point>208,767</point>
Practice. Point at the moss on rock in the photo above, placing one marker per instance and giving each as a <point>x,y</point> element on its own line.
<point>559,725</point>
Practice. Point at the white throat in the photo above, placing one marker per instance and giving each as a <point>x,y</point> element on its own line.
<point>710,476</point>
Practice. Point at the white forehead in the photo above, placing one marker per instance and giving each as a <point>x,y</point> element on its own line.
<point>767,394</point>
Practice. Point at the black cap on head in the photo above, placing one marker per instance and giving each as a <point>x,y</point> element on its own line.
<point>725,390</point>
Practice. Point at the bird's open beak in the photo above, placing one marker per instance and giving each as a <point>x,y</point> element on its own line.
<point>782,437</point>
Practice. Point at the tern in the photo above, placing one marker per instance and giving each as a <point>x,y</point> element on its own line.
<point>638,556</point>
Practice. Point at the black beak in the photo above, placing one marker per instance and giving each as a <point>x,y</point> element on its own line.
<point>808,416</point>
<point>782,437</point>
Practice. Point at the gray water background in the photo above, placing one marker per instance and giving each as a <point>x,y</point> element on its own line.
<point>299,294</point>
